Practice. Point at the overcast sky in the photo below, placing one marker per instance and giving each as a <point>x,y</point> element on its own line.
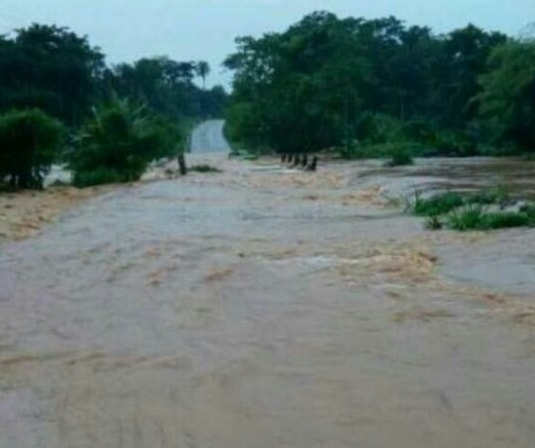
<point>205,29</point>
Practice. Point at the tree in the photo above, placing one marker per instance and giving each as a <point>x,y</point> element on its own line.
<point>29,140</point>
<point>167,87</point>
<point>118,143</point>
<point>49,68</point>
<point>462,59</point>
<point>507,100</point>
<point>203,70</point>
<point>317,84</point>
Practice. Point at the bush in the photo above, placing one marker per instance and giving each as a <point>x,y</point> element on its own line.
<point>453,143</point>
<point>117,144</point>
<point>400,155</point>
<point>29,140</point>
<point>470,212</point>
<point>476,218</point>
<point>443,203</point>
<point>439,204</point>
<point>205,169</point>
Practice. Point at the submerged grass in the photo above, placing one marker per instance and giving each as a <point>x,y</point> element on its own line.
<point>476,217</point>
<point>465,212</point>
<point>436,205</point>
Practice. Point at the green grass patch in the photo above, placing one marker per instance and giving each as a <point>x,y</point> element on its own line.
<point>442,203</point>
<point>475,217</point>
<point>436,205</point>
<point>474,211</point>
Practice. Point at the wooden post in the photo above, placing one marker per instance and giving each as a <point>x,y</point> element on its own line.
<point>314,165</point>
<point>182,164</point>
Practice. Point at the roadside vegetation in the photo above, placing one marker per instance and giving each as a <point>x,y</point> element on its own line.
<point>486,210</point>
<point>381,89</point>
<point>204,169</point>
<point>61,103</point>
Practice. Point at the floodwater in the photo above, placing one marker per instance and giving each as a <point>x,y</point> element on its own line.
<point>268,308</point>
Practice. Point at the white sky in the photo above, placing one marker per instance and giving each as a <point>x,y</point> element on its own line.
<point>205,29</point>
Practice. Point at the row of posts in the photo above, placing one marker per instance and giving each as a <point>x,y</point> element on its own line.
<point>299,162</point>
<point>290,160</point>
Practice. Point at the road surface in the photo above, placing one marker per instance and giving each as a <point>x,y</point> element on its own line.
<point>209,138</point>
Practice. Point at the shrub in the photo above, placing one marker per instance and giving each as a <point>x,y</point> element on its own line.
<point>117,144</point>
<point>433,223</point>
<point>453,143</point>
<point>205,169</point>
<point>443,203</point>
<point>469,218</point>
<point>400,156</point>
<point>476,218</point>
<point>29,140</point>
<point>439,204</point>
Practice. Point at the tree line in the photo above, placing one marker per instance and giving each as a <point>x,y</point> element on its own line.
<point>370,88</point>
<point>60,101</point>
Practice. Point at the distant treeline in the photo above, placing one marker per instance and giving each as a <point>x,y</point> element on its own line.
<point>373,87</point>
<point>59,100</point>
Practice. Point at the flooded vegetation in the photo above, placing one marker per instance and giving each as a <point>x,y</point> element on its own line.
<point>263,306</point>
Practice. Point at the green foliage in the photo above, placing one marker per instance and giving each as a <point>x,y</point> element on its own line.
<point>329,82</point>
<point>507,99</point>
<point>167,87</point>
<point>49,68</point>
<point>470,211</point>
<point>29,141</point>
<point>475,217</point>
<point>205,169</point>
<point>203,70</point>
<point>452,143</point>
<point>468,218</point>
<point>443,203</point>
<point>433,223</point>
<point>400,158</point>
<point>117,144</point>
<point>436,205</point>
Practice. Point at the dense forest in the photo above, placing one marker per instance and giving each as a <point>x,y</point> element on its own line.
<point>60,101</point>
<point>371,88</point>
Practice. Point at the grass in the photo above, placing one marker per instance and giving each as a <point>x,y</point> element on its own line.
<point>436,205</point>
<point>475,217</point>
<point>205,169</point>
<point>470,211</point>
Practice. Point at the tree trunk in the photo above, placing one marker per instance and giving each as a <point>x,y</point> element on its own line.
<point>182,164</point>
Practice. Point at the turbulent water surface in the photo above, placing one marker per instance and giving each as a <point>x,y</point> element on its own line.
<point>262,307</point>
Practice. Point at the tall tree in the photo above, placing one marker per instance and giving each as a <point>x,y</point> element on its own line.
<point>203,70</point>
<point>325,81</point>
<point>50,68</point>
<point>507,99</point>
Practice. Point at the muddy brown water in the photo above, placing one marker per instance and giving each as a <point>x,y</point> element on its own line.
<point>267,308</point>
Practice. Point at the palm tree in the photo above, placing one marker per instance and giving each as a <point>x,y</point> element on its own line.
<point>203,70</point>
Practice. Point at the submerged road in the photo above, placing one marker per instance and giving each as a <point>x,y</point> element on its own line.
<point>209,138</point>
<point>260,309</point>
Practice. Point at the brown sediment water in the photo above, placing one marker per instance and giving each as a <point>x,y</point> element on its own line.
<point>263,307</point>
